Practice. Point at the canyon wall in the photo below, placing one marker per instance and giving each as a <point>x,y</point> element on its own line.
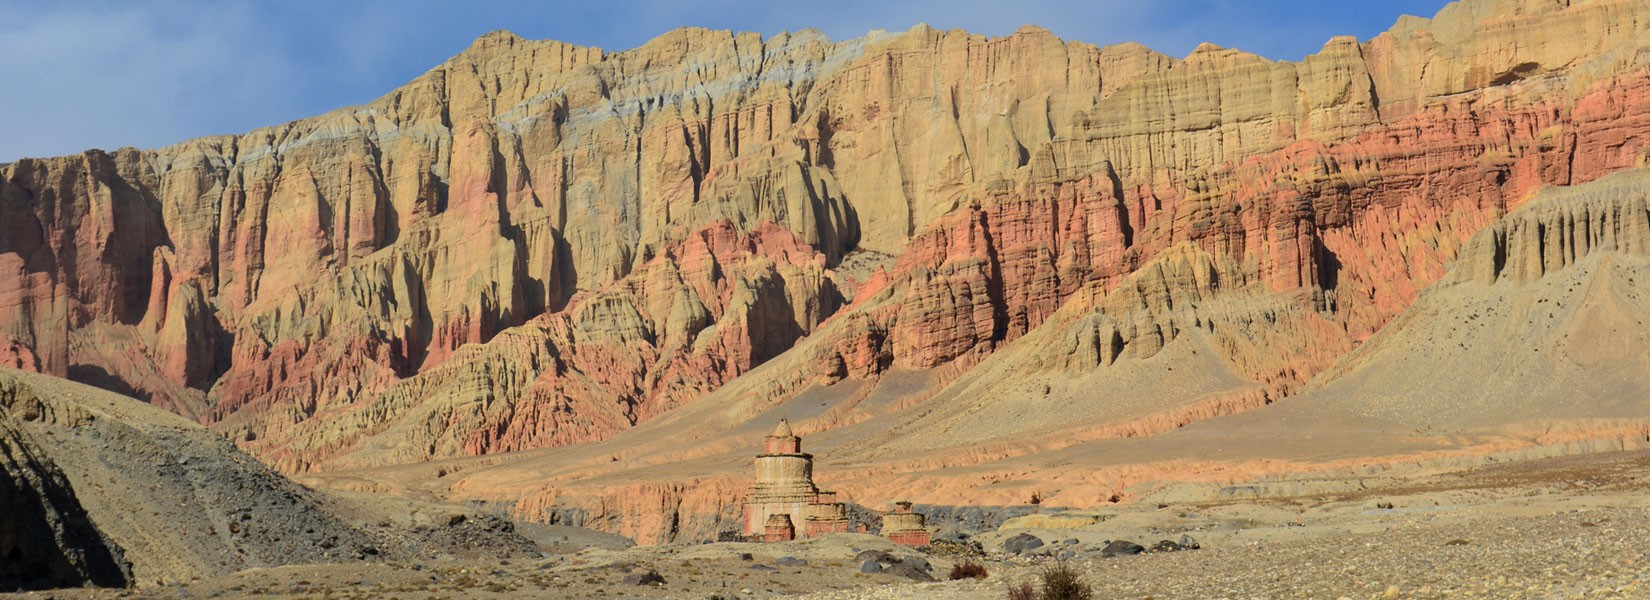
<point>1537,326</point>
<point>536,244</point>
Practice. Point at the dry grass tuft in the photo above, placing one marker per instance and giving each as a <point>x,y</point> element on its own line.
<point>968,569</point>
<point>1061,582</point>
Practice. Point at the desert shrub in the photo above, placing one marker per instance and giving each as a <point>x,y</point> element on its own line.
<point>1022,591</point>
<point>1061,582</point>
<point>967,569</point>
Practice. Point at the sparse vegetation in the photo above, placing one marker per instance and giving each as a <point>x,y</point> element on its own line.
<point>1022,591</point>
<point>1061,582</point>
<point>968,569</point>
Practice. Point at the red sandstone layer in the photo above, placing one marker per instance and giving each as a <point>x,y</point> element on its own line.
<point>536,245</point>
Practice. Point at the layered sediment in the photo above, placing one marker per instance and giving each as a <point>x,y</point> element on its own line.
<point>536,244</point>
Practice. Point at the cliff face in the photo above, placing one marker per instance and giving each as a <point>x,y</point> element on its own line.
<point>1539,322</point>
<point>536,244</point>
<point>1531,344</point>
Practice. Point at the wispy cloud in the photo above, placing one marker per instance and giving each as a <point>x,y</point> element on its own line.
<point>106,74</point>
<point>81,76</point>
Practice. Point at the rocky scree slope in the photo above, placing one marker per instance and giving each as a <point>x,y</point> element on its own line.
<point>536,244</point>
<point>109,491</point>
<point>47,540</point>
<point>1539,324</point>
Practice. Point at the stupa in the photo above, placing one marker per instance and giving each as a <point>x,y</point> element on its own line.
<point>905,527</point>
<point>784,503</point>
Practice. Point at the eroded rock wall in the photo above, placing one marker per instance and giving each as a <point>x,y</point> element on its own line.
<point>538,244</point>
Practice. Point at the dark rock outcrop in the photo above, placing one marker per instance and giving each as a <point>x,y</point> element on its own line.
<point>1121,548</point>
<point>107,490</point>
<point>1022,543</point>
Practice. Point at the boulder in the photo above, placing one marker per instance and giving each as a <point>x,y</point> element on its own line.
<point>918,562</point>
<point>643,577</point>
<point>1166,546</point>
<point>908,570</point>
<point>1121,548</point>
<point>875,555</point>
<point>1022,543</point>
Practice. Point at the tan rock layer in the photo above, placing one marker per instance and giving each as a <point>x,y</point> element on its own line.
<point>626,231</point>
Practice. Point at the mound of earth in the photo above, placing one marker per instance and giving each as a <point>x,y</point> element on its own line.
<point>108,490</point>
<point>46,539</point>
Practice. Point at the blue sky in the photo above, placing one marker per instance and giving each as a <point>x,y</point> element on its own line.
<point>107,73</point>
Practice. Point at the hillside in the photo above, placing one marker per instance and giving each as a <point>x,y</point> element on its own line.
<point>105,490</point>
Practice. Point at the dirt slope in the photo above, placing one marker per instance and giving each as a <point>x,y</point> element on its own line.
<point>178,501</point>
<point>1542,320</point>
<point>46,539</point>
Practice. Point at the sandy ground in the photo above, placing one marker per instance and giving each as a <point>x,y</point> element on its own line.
<point>1568,527</point>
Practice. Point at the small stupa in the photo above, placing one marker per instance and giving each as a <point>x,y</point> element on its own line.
<point>905,527</point>
<point>784,494</point>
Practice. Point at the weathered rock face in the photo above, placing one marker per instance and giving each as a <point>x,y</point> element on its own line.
<point>1566,227</point>
<point>1538,324</point>
<point>537,244</point>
